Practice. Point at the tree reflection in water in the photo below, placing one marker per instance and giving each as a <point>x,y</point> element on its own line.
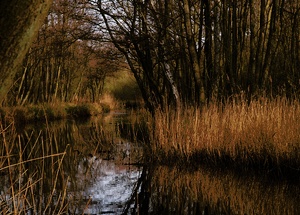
<point>67,168</point>
<point>92,174</point>
<point>103,188</point>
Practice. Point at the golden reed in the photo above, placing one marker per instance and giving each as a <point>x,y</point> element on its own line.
<point>264,130</point>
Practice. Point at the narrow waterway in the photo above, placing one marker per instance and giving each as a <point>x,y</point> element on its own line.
<point>90,167</point>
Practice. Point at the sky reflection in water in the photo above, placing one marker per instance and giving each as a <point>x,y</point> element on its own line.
<point>104,188</point>
<point>102,184</point>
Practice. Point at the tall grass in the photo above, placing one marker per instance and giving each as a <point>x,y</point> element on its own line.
<point>263,132</point>
<point>24,168</point>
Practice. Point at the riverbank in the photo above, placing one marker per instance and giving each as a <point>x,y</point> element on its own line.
<point>49,112</point>
<point>263,134</point>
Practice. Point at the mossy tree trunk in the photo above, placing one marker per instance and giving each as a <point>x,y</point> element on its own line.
<point>19,24</point>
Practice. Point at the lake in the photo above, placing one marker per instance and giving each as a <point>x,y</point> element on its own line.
<point>91,167</point>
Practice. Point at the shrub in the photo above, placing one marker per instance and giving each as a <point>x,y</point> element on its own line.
<point>78,111</point>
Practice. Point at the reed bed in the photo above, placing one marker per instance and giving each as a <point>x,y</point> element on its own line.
<point>31,173</point>
<point>263,132</point>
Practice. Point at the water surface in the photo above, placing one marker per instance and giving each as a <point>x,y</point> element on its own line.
<point>90,167</point>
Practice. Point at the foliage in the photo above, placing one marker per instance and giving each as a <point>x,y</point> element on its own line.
<point>122,86</point>
<point>22,115</point>
<point>180,52</point>
<point>19,24</point>
<point>33,113</point>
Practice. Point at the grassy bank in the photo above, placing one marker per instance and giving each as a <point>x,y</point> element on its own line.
<point>42,112</point>
<point>264,133</point>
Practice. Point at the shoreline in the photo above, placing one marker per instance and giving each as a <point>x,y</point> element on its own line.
<point>50,112</point>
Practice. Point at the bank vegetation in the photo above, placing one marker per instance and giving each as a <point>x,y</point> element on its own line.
<point>219,78</point>
<point>262,134</point>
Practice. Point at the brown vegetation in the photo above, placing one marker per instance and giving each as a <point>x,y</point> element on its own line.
<point>31,172</point>
<point>264,133</point>
<point>50,112</point>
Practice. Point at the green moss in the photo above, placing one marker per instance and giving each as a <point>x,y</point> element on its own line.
<point>2,113</point>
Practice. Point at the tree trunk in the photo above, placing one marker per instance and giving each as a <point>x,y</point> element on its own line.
<point>208,49</point>
<point>193,50</point>
<point>20,22</point>
<point>251,84</point>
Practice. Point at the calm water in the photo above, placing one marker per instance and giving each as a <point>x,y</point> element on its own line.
<point>88,167</point>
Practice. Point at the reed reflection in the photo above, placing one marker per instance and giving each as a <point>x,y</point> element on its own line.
<point>215,192</point>
<point>86,168</point>
<point>53,168</point>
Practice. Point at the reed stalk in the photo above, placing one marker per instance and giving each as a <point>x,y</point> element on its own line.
<point>23,175</point>
<point>263,131</point>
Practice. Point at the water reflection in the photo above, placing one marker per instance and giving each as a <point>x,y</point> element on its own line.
<point>216,192</point>
<point>86,168</point>
<point>67,167</point>
<point>104,188</point>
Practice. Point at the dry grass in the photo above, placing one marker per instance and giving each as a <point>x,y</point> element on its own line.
<point>265,131</point>
<point>28,171</point>
<point>109,102</point>
<point>50,111</point>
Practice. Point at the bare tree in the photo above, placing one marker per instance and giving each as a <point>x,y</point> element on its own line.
<point>65,63</point>
<point>183,52</point>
